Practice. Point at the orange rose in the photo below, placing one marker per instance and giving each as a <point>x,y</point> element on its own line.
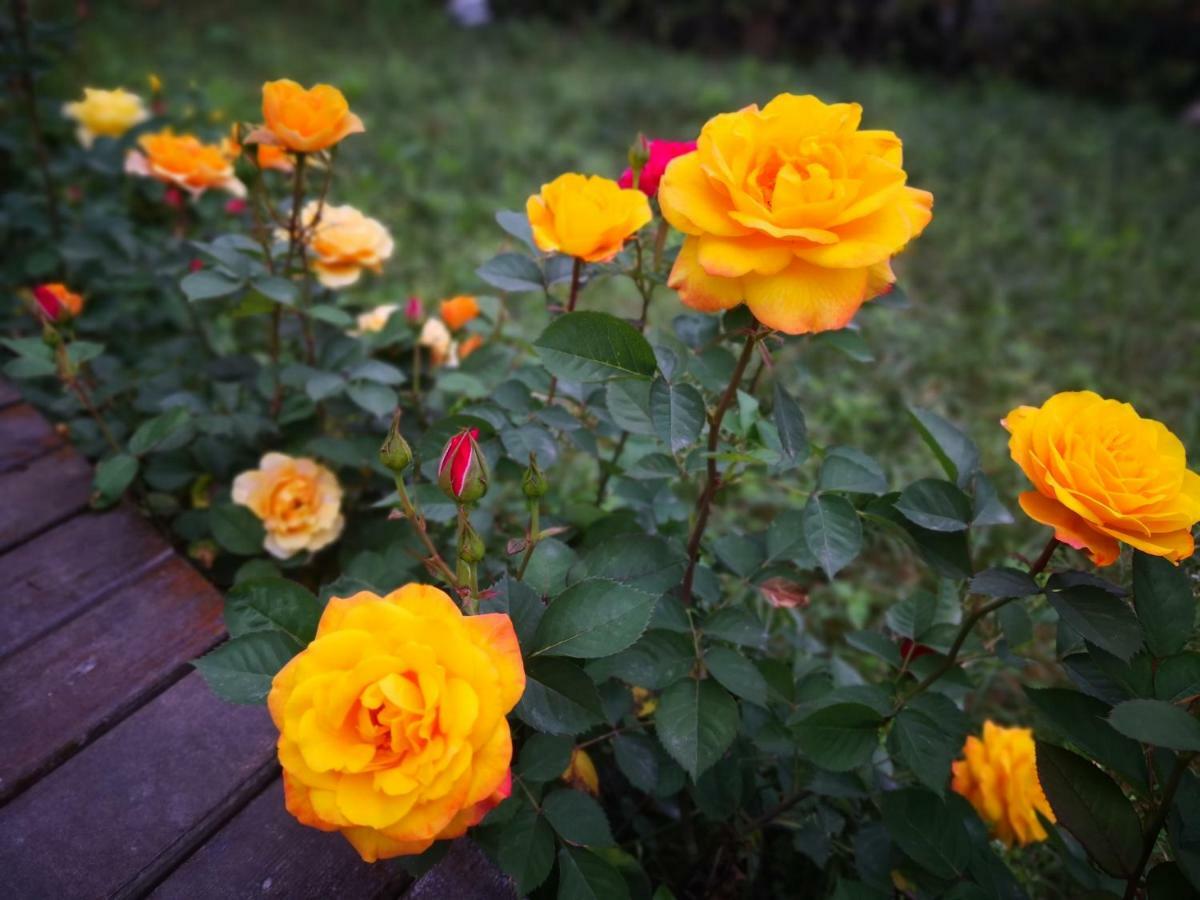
<point>792,210</point>
<point>998,775</point>
<point>458,311</point>
<point>1104,476</point>
<point>343,243</point>
<point>305,121</point>
<point>588,217</point>
<point>272,156</point>
<point>392,724</point>
<point>182,160</point>
<point>298,500</point>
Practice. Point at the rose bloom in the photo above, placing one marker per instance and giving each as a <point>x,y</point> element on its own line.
<point>305,121</point>
<point>271,156</point>
<point>1103,476</point>
<point>586,216</point>
<point>660,153</point>
<point>436,338</point>
<point>792,210</point>
<point>343,242</point>
<point>392,724</point>
<point>57,302</point>
<point>458,311</point>
<point>298,500</point>
<point>998,775</point>
<point>105,113</point>
<point>374,320</point>
<point>183,161</point>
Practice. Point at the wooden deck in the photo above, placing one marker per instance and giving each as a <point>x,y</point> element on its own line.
<point>121,774</point>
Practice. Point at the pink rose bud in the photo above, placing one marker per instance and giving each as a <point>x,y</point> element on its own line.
<point>414,310</point>
<point>196,265</point>
<point>48,303</point>
<point>462,472</point>
<point>661,153</point>
<point>235,206</point>
<point>173,197</point>
<point>56,302</point>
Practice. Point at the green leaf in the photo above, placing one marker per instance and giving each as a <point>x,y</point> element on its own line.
<point>241,669</point>
<point>658,659</point>
<point>849,343</point>
<point>1003,581</point>
<point>1157,723</point>
<point>638,759</point>
<point>696,722</point>
<point>236,529</point>
<point>526,849</point>
<point>208,284</point>
<point>1165,606</point>
<point>641,561</point>
<point>736,625</point>
<point>737,674</point>
<point>789,421</point>
<point>516,223</point>
<point>322,385</point>
<point>272,604</point>
<point>559,698</point>
<point>955,451</point>
<point>832,531</point>
<point>628,402</point>
<point>273,287</point>
<point>377,371</point>
<point>847,469</point>
<point>1099,617</point>
<point>913,615</point>
<point>80,352</point>
<point>677,412</point>
<point>927,736</point>
<point>544,757</point>
<point>376,399</point>
<point>29,367</point>
<point>593,618</point>
<point>332,315</point>
<point>1088,804</point>
<point>1177,678</point>
<point>935,504</point>
<point>594,346</point>
<point>154,432</point>
<point>925,827</point>
<point>840,737</point>
<point>583,875</point>
<point>1083,720</point>
<point>577,818</point>
<point>111,478</point>
<point>515,273</point>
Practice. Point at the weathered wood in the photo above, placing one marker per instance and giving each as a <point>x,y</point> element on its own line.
<point>59,693</point>
<point>53,578</point>
<point>122,814</point>
<point>42,493</point>
<point>24,435</point>
<point>465,873</point>
<point>8,393</point>
<point>263,851</point>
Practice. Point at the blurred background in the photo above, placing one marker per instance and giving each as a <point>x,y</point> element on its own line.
<point>1059,138</point>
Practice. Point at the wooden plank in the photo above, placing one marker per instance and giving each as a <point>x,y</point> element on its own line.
<point>122,814</point>
<point>263,851</point>
<point>24,435</point>
<point>59,693</point>
<point>41,494</point>
<point>51,579</point>
<point>8,393</point>
<point>465,873</point>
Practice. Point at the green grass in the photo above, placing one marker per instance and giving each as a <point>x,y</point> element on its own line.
<point>1062,254</point>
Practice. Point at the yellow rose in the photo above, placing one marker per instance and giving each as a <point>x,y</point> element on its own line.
<point>298,500</point>
<point>105,113</point>
<point>1103,476</point>
<point>392,723</point>
<point>305,121</point>
<point>343,242</point>
<point>998,775</point>
<point>792,210</point>
<point>182,160</point>
<point>374,320</point>
<point>588,217</point>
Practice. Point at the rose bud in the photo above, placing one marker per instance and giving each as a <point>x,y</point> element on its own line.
<point>235,206</point>
<point>414,310</point>
<point>395,452</point>
<point>196,265</point>
<point>658,155</point>
<point>470,545</point>
<point>56,303</point>
<point>533,482</point>
<point>462,472</point>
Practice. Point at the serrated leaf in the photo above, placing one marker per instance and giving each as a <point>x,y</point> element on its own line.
<point>594,346</point>
<point>272,604</point>
<point>526,849</point>
<point>847,469</point>
<point>236,529</point>
<point>273,287</point>
<point>577,818</point>
<point>559,698</point>
<point>1162,595</point>
<point>154,432</point>
<point>376,399</point>
<point>583,875</point>
<point>512,272</point>
<point>936,505</point>
<point>954,450</point>
<point>841,736</point>
<point>1157,723</point>
<point>544,757</point>
<point>696,721</point>
<point>927,735</point>
<point>1099,617</point>
<point>832,532</point>
<point>628,402</point>
<point>241,669</point>
<point>677,412</point>
<point>1003,581</point>
<point>926,829</point>
<point>637,757</point>
<point>593,618</point>
<point>208,284</point>
<point>111,478</point>
<point>737,674</point>
<point>1083,720</point>
<point>516,223</point>
<point>789,421</point>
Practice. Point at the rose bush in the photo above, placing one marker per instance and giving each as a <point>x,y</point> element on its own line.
<point>647,664</point>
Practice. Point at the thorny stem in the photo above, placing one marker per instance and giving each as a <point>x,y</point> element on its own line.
<point>712,476</point>
<point>531,539</point>
<point>1156,823</point>
<point>20,14</point>
<point>968,625</point>
<point>434,561</point>
<point>576,271</point>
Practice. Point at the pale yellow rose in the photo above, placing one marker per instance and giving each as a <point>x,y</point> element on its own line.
<point>298,500</point>
<point>104,113</point>
<point>374,320</point>
<point>343,242</point>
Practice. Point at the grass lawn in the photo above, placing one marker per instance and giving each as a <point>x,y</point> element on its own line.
<point>1062,254</point>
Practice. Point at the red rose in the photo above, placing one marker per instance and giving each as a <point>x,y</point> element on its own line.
<point>661,153</point>
<point>463,473</point>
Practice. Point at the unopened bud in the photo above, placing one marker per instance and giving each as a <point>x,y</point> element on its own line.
<point>462,472</point>
<point>639,155</point>
<point>414,310</point>
<point>395,452</point>
<point>533,482</point>
<point>470,544</point>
